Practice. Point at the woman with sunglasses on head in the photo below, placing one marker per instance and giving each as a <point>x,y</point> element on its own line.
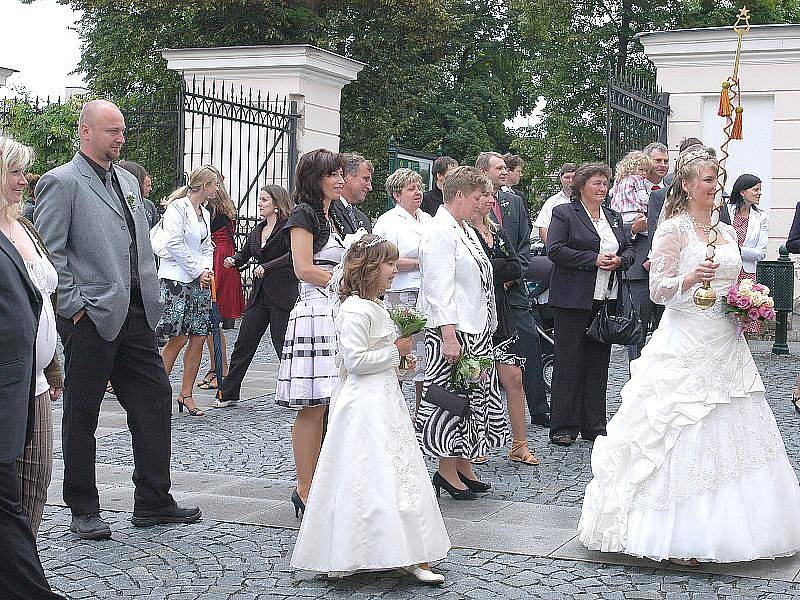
<point>185,275</point>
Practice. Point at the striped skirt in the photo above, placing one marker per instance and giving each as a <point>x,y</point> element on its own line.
<point>442,434</point>
<point>308,373</point>
<point>35,466</point>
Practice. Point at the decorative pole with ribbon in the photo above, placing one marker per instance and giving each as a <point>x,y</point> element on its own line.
<point>705,296</point>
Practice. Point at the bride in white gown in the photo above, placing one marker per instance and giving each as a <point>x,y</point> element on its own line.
<point>371,506</point>
<point>693,467</point>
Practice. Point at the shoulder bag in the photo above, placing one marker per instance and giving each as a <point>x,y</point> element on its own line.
<point>624,329</point>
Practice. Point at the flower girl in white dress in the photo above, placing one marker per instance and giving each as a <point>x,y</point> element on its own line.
<point>371,505</point>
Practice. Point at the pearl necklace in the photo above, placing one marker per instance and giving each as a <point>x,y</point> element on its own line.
<point>703,226</point>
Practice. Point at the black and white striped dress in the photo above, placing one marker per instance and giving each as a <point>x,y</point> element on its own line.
<point>442,434</point>
<point>308,373</point>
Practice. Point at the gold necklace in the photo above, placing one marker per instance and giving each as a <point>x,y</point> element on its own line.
<point>705,227</point>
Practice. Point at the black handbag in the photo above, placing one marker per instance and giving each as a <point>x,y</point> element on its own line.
<point>625,330</point>
<point>447,400</point>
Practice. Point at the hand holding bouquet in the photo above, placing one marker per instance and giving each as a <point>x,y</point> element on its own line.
<point>470,371</point>
<point>408,322</point>
<point>750,301</point>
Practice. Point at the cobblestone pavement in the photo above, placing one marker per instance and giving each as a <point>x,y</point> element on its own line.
<point>216,559</point>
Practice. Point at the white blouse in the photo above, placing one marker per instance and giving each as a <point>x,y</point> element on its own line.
<point>45,278</point>
<point>404,231</point>
<point>610,244</point>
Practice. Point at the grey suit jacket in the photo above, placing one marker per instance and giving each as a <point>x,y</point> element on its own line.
<point>86,234</point>
<point>518,228</point>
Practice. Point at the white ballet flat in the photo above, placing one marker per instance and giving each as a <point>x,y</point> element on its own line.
<point>423,575</point>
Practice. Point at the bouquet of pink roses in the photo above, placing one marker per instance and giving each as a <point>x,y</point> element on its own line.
<point>750,301</point>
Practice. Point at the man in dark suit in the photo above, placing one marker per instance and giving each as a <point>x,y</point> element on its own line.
<point>357,184</point>
<point>511,214</point>
<point>91,217</point>
<point>22,576</point>
<point>432,199</point>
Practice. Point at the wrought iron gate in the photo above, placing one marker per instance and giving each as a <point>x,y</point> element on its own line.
<point>636,114</point>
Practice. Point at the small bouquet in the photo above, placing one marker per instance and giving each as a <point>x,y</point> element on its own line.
<point>469,371</point>
<point>750,301</point>
<point>409,322</point>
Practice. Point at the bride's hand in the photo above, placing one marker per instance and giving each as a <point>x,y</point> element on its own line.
<point>705,271</point>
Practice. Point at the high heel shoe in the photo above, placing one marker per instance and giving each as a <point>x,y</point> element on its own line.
<point>195,412</point>
<point>425,576</point>
<point>299,505</point>
<point>474,485</point>
<point>440,482</point>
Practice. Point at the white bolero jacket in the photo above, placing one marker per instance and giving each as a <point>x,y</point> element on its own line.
<point>189,246</point>
<point>755,243</point>
<point>366,336</point>
<point>451,292</point>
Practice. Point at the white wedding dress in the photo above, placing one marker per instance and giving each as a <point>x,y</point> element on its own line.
<point>371,505</point>
<point>693,465</point>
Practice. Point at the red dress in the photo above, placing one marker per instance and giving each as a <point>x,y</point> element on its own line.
<point>740,225</point>
<point>230,295</point>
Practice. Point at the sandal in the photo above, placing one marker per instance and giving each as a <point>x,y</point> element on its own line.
<point>209,382</point>
<point>527,456</point>
<point>692,562</point>
<point>110,390</point>
<point>796,401</point>
<point>195,412</point>
<point>479,460</point>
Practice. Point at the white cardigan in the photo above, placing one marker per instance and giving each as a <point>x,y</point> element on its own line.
<point>405,232</point>
<point>755,243</point>
<point>451,292</point>
<point>188,243</point>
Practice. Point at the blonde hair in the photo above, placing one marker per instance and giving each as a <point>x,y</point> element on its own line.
<point>197,179</point>
<point>13,155</point>
<point>631,163</point>
<point>361,269</point>
<point>488,186</point>
<point>461,179</point>
<point>690,163</point>
<point>397,181</point>
<point>222,202</point>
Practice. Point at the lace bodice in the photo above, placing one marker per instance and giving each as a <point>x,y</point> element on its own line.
<point>677,250</point>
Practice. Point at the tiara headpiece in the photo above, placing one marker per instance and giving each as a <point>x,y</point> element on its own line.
<point>687,157</point>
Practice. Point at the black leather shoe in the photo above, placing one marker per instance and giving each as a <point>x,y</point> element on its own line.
<point>170,514</point>
<point>90,527</point>
<point>542,419</point>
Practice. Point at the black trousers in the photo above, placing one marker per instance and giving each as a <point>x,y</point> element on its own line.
<point>22,576</point>
<point>533,379</point>
<point>255,320</point>
<point>580,376</point>
<point>640,294</point>
<point>132,363</point>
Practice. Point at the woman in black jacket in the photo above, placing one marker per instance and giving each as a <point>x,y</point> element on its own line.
<point>587,244</point>
<point>274,288</point>
<point>508,357</point>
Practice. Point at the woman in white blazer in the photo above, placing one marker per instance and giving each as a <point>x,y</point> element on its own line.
<point>457,295</point>
<point>403,226</point>
<point>185,275</point>
<point>750,222</point>
<point>751,225</point>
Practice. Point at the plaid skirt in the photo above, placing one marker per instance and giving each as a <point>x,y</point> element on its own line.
<point>308,374</point>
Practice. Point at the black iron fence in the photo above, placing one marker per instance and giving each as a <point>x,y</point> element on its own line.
<point>636,113</point>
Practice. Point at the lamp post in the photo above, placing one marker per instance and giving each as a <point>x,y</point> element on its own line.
<point>778,276</point>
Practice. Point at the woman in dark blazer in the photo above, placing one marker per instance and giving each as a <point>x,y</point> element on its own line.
<point>587,243</point>
<point>274,288</point>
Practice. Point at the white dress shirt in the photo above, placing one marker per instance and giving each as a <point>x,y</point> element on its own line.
<point>404,230</point>
<point>608,243</point>
<point>188,244</point>
<point>546,213</point>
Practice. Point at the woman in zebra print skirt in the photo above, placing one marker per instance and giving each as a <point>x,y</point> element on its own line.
<point>458,297</point>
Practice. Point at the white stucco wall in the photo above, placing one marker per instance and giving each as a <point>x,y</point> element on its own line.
<point>692,64</point>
